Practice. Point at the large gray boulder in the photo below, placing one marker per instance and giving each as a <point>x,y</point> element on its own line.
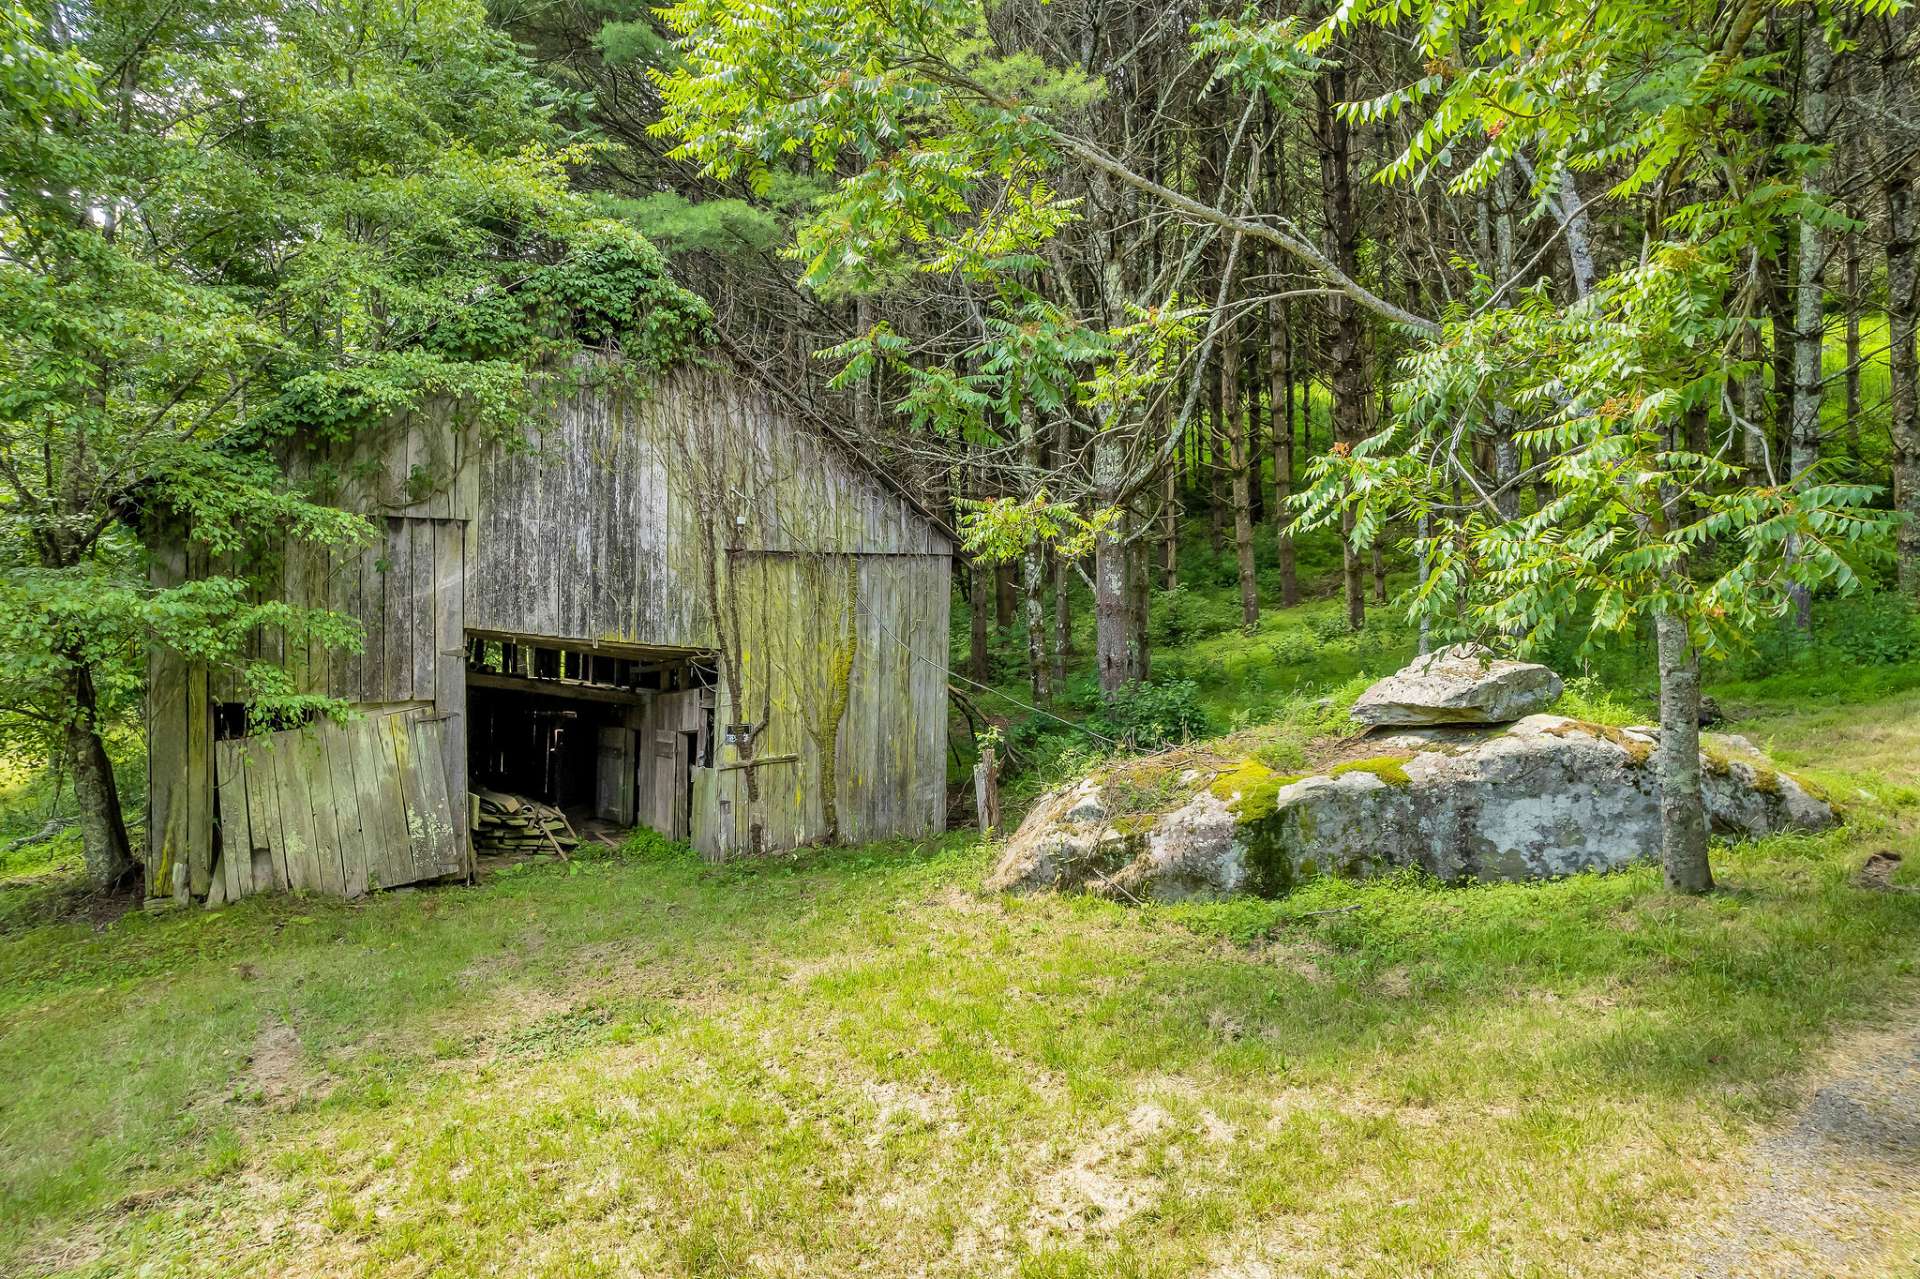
<point>1460,684</point>
<point>1548,796</point>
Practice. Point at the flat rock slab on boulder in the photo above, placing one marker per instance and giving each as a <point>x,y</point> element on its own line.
<point>1547,796</point>
<point>1462,684</point>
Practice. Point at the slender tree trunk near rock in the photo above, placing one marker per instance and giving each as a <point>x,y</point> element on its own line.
<point>1034,604</point>
<point>1115,656</point>
<point>1780,352</point>
<point>1853,342</point>
<point>1062,573</point>
<point>1170,526</point>
<point>979,619</point>
<point>1809,312</point>
<point>1061,646</point>
<point>1506,450</point>
<point>1216,501</point>
<point>1033,564</point>
<point>1424,529</point>
<point>1903,317</point>
<point>1683,812</point>
<point>1352,372</point>
<point>1233,413</point>
<point>1139,597</point>
<point>103,828</point>
<point>1280,404</point>
<point>1753,408</point>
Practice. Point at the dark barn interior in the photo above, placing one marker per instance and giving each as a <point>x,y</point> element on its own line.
<point>610,738</point>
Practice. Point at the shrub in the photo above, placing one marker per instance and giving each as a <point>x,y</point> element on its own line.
<point>643,844</point>
<point>1182,615</point>
<point>1154,714</point>
<point>1292,647</point>
<point>1328,627</point>
<point>1586,698</point>
<point>1880,628</point>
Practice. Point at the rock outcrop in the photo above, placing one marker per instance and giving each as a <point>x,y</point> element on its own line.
<point>1461,684</point>
<point>1546,796</point>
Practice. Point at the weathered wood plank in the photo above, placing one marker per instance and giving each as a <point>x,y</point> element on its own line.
<point>398,606</point>
<point>420,548</point>
<point>412,802</point>
<point>443,846</point>
<point>349,825</point>
<point>317,772</point>
<point>383,814</point>
<point>296,816</point>
<point>450,670</point>
<point>236,836</point>
<point>199,781</point>
<point>264,825</point>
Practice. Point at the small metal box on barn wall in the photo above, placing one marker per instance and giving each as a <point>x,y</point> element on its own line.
<point>685,607</point>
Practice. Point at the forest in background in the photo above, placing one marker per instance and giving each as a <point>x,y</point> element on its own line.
<point>1585,337</point>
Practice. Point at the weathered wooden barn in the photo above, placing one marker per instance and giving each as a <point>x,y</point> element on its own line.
<point>686,607</point>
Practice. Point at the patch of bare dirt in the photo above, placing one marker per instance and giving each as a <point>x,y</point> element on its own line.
<point>1877,872</point>
<point>63,897</point>
<point>277,1073</point>
<point>1099,1187</point>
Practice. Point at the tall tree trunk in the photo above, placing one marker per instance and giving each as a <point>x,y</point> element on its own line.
<point>863,398</point>
<point>103,828</point>
<point>1139,595</point>
<point>1116,655</point>
<point>1903,316</point>
<point>1683,813</point>
<point>1573,219</point>
<point>1062,572</point>
<point>1233,412</point>
<point>1506,451</point>
<point>1853,342</point>
<point>1280,398</point>
<point>1809,311</point>
<point>1061,645</point>
<point>1033,562</point>
<point>1352,371</point>
<point>1170,524</point>
<point>979,619</point>
<point>1753,407</point>
<point>1216,433</point>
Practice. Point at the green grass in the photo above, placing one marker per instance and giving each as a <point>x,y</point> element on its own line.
<point>854,1062</point>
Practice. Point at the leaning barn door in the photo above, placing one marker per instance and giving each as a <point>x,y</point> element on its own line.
<point>613,797</point>
<point>336,809</point>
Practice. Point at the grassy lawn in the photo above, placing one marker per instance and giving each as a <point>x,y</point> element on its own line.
<point>855,1063</point>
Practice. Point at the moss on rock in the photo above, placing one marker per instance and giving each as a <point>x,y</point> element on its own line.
<point>1391,769</point>
<point>1250,790</point>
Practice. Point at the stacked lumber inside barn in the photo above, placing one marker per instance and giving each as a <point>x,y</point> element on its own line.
<point>507,823</point>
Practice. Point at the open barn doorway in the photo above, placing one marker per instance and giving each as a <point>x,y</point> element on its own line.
<point>569,744</point>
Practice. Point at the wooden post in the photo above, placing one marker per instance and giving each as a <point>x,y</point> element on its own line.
<point>986,791</point>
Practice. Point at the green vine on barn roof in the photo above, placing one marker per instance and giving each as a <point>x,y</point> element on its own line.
<point>499,351</point>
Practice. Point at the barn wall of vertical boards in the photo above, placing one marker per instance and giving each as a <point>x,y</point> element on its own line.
<point>787,606</point>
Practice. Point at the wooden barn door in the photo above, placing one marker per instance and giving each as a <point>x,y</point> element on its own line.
<point>336,809</point>
<point>613,798</point>
<point>667,747</point>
